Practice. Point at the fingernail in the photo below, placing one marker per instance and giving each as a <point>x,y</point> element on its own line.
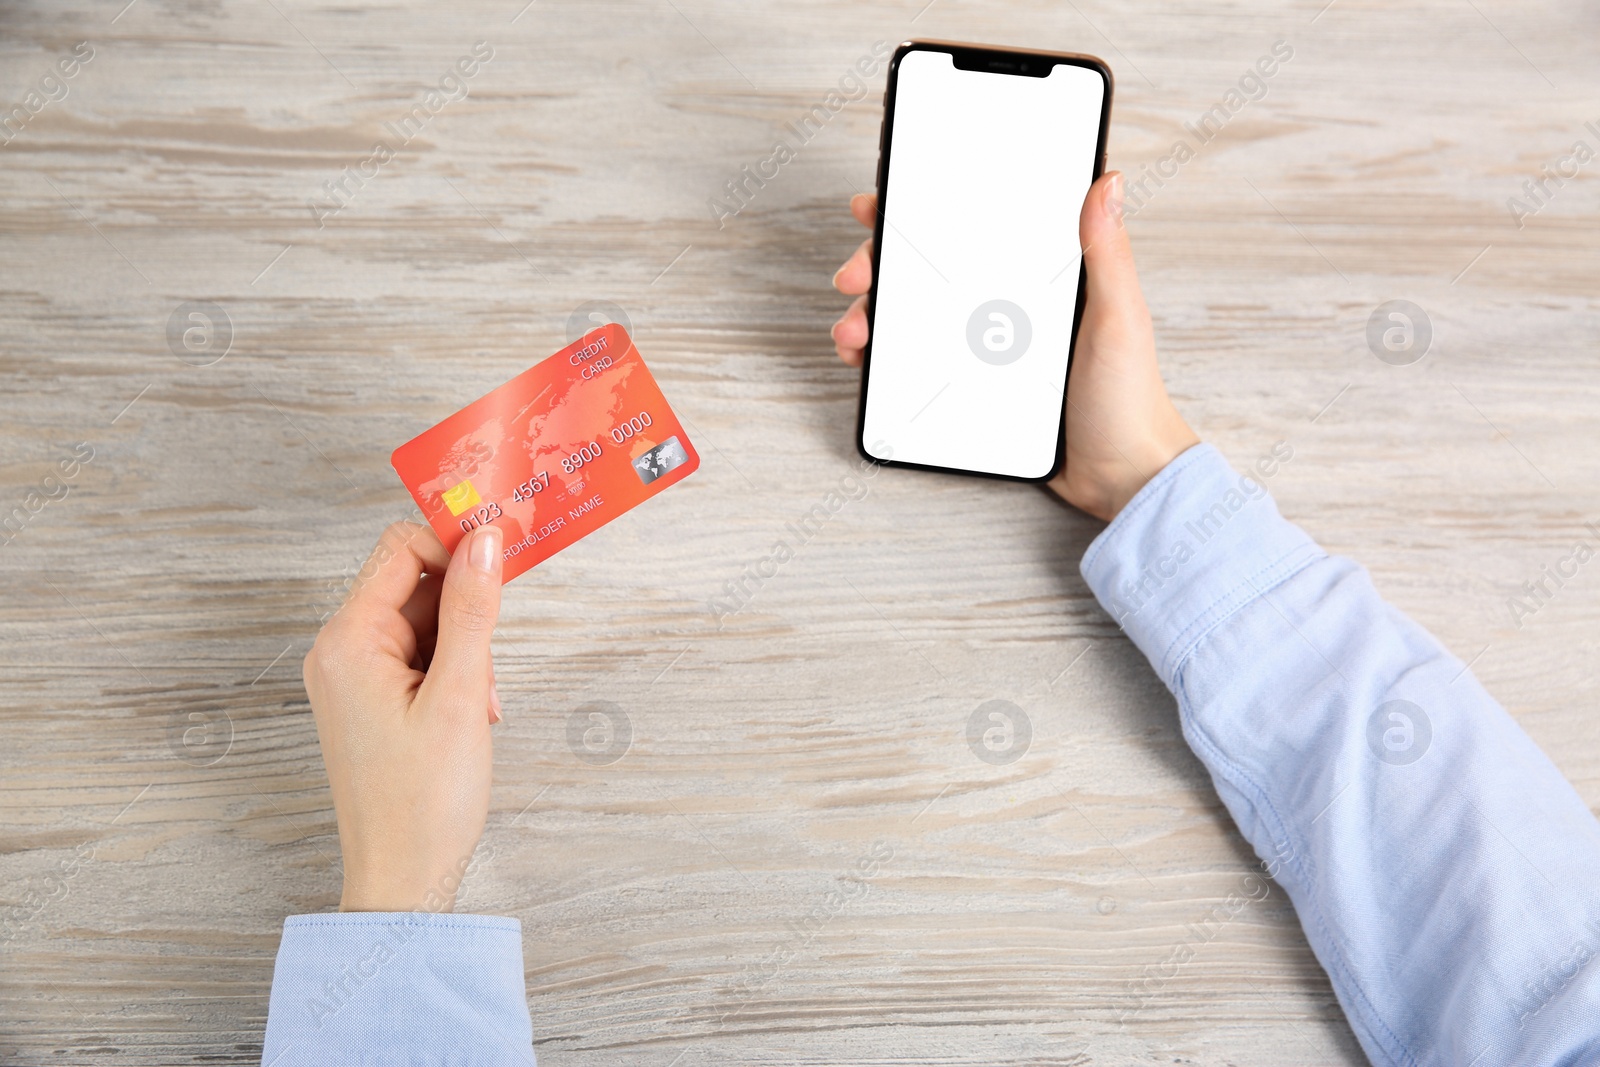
<point>837,273</point>
<point>1114,197</point>
<point>485,548</point>
<point>494,703</point>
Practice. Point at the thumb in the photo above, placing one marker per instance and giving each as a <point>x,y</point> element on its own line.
<point>462,672</point>
<point>1113,280</point>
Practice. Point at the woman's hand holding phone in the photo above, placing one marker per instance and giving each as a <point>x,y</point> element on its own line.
<point>1121,426</point>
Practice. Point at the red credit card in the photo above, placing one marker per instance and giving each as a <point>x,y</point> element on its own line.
<point>552,455</point>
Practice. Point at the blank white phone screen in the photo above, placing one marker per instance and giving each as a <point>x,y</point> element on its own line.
<point>978,273</point>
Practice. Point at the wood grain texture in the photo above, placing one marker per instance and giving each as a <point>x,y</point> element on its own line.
<point>178,583</point>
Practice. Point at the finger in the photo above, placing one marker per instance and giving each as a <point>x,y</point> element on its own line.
<point>495,714</point>
<point>864,206</point>
<point>461,675</point>
<point>1113,280</point>
<point>390,575</point>
<point>856,274</point>
<point>850,333</point>
<point>422,613</point>
<point>373,616</point>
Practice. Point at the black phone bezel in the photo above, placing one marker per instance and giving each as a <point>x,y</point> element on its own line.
<point>999,60</point>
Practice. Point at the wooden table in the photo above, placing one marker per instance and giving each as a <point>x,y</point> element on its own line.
<point>164,804</point>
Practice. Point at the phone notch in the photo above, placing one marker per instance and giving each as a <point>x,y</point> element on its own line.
<point>1003,63</point>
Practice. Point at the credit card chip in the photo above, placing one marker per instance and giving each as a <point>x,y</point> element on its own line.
<point>461,496</point>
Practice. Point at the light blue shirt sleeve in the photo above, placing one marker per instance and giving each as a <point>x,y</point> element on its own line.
<point>1446,875</point>
<point>398,988</point>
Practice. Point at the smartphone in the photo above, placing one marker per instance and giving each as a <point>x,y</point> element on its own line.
<point>985,158</point>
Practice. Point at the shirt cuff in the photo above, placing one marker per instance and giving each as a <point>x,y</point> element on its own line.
<point>374,988</point>
<point>1196,544</point>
